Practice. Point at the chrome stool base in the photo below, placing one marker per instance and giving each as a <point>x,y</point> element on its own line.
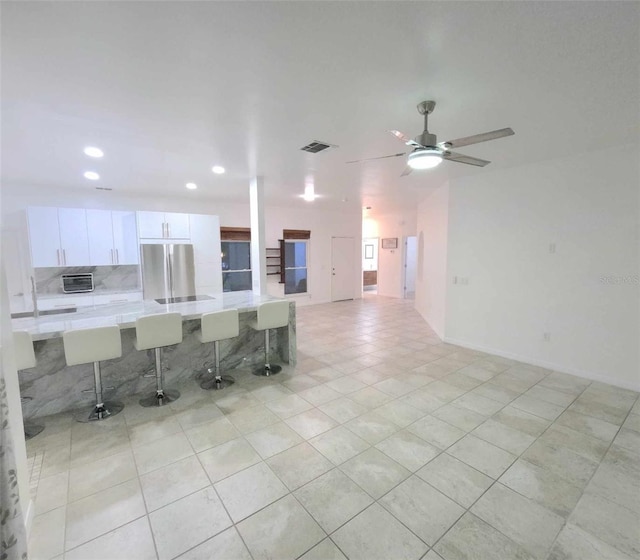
<point>161,398</point>
<point>98,412</point>
<point>32,430</point>
<point>217,383</point>
<point>267,370</point>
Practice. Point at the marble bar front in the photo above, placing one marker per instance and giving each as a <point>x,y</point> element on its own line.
<point>55,387</point>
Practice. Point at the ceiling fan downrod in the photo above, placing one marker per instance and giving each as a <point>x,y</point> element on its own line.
<point>426,139</point>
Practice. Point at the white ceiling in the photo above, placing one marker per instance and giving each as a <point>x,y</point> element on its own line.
<point>168,89</point>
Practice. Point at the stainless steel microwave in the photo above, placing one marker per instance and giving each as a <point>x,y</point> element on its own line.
<point>74,283</point>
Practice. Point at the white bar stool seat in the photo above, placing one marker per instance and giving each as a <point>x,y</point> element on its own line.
<point>25,359</point>
<point>155,332</point>
<point>214,327</point>
<point>271,315</point>
<point>84,346</point>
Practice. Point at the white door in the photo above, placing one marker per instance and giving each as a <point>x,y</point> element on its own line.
<point>151,225</point>
<point>410,263</point>
<point>343,268</point>
<point>125,237</point>
<point>177,225</point>
<point>100,238</point>
<point>74,237</point>
<point>44,236</point>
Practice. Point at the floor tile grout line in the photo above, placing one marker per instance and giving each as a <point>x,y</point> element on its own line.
<point>591,478</point>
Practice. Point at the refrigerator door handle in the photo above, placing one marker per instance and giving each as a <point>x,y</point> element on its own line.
<point>170,270</point>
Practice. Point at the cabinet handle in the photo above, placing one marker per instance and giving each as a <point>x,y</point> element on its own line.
<point>58,256</point>
<point>117,257</point>
<point>168,229</point>
<point>111,251</point>
<point>118,300</point>
<point>64,256</point>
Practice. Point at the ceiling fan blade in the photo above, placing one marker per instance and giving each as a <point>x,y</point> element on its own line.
<point>381,157</point>
<point>406,171</point>
<point>461,158</point>
<point>408,141</point>
<point>477,138</point>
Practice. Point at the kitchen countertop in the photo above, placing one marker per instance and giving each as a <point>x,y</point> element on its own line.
<point>125,314</point>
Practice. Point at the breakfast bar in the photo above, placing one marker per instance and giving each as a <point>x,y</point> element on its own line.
<point>55,387</point>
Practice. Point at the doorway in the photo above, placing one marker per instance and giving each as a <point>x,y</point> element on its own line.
<point>410,266</point>
<point>370,265</point>
<point>342,268</point>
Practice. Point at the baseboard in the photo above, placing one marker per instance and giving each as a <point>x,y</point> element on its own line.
<point>591,376</point>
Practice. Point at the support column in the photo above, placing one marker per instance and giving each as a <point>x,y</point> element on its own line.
<point>258,243</point>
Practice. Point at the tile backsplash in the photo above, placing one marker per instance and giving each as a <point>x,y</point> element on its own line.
<point>105,278</point>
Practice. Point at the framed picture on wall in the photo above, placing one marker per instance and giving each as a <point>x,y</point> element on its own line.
<point>390,243</point>
<point>368,251</point>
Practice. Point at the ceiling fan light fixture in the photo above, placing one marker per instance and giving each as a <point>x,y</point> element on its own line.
<point>425,158</point>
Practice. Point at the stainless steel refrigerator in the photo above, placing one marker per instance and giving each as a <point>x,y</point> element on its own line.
<point>167,271</point>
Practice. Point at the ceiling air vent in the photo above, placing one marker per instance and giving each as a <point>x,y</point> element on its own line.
<point>316,146</point>
<point>104,189</point>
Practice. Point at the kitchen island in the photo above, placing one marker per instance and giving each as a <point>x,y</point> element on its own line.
<point>55,387</point>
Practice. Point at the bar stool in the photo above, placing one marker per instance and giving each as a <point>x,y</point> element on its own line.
<point>155,332</point>
<point>84,346</point>
<point>271,315</point>
<point>214,327</point>
<point>25,359</point>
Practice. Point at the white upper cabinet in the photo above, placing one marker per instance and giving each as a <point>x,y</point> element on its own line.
<point>100,237</point>
<point>58,236</point>
<point>151,225</point>
<point>125,237</point>
<point>163,225</point>
<point>112,237</point>
<point>44,237</point>
<point>177,225</point>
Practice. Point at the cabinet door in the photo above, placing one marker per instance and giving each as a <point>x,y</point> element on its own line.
<point>151,224</point>
<point>44,237</point>
<point>110,299</point>
<point>177,225</point>
<point>125,238</point>
<point>74,237</point>
<point>100,238</point>
<point>69,300</point>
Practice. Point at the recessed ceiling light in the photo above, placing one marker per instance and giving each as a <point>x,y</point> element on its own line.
<point>92,151</point>
<point>191,186</point>
<point>309,193</point>
<point>91,175</point>
<point>218,169</point>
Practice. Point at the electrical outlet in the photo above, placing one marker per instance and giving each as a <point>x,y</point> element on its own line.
<point>546,336</point>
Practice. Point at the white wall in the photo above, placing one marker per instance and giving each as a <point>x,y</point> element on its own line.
<point>323,225</point>
<point>431,274</point>
<point>585,294</point>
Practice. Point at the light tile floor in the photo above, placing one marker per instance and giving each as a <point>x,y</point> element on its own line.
<point>382,443</point>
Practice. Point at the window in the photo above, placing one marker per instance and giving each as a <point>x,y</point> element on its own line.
<point>236,259</point>
<point>296,246</point>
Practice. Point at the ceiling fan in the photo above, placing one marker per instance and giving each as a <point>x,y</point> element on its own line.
<point>428,153</point>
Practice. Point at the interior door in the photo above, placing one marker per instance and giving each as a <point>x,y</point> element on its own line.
<point>343,263</point>
<point>410,264</point>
